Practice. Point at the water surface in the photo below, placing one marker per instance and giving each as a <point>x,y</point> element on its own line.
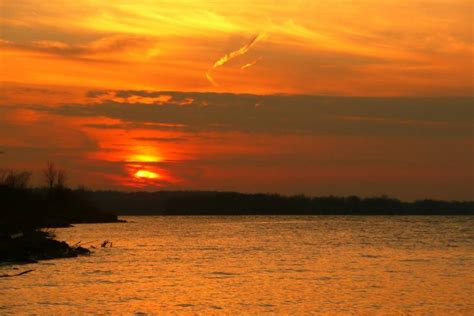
<point>254,265</point>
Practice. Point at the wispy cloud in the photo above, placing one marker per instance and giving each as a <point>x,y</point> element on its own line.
<point>238,52</point>
<point>161,139</point>
<point>108,48</point>
<point>250,64</point>
<point>228,57</point>
<point>211,80</point>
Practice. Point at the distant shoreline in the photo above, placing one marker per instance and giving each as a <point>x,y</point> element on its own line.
<point>286,215</point>
<point>195,203</point>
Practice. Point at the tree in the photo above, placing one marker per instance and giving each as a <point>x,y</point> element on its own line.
<point>53,177</point>
<point>15,179</point>
<point>61,179</point>
<point>50,174</point>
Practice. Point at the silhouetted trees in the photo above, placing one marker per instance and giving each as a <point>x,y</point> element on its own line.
<point>15,179</point>
<point>54,178</point>
<point>17,201</point>
<point>232,203</point>
<point>25,208</point>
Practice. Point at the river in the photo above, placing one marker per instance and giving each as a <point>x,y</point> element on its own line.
<point>255,265</point>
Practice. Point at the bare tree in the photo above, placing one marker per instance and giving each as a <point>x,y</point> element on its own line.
<point>50,175</point>
<point>61,179</point>
<point>15,179</point>
<point>3,176</point>
<point>54,178</point>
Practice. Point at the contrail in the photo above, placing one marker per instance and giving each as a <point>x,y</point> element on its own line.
<point>238,52</point>
<point>211,80</point>
<point>250,64</point>
<point>227,57</point>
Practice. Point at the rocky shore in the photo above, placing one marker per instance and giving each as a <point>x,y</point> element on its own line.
<point>26,211</point>
<point>35,245</point>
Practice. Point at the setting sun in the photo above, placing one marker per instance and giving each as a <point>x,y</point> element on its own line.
<point>146,174</point>
<point>144,158</point>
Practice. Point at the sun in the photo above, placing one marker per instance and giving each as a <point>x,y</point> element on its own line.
<point>144,158</point>
<point>145,174</point>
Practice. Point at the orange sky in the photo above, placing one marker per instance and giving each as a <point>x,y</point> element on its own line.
<point>331,47</point>
<point>107,90</point>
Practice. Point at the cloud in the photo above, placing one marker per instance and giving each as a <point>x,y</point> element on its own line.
<point>211,80</point>
<point>250,64</point>
<point>140,97</point>
<point>108,126</point>
<point>283,114</point>
<point>366,55</point>
<point>96,50</point>
<point>161,139</point>
<point>228,57</point>
<point>134,125</point>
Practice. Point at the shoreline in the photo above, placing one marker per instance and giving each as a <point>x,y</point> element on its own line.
<point>36,245</point>
<point>470,213</point>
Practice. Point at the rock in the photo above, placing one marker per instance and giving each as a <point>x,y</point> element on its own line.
<point>35,246</point>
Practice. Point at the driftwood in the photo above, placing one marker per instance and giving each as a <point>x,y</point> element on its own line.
<point>89,242</point>
<point>105,243</point>
<point>14,275</point>
<point>80,243</point>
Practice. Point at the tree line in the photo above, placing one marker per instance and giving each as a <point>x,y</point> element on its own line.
<point>24,207</point>
<point>55,204</point>
<point>233,203</point>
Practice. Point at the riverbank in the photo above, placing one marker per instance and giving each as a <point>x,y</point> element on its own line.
<point>27,212</point>
<point>32,246</point>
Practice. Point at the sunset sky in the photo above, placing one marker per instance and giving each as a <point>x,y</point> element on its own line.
<point>316,97</point>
